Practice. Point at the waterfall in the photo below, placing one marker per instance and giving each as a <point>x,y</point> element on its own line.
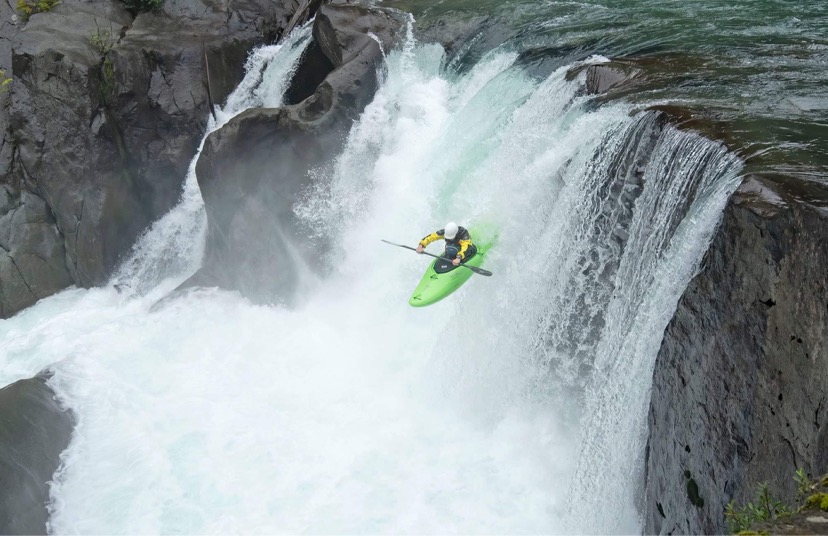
<point>172,248</point>
<point>518,405</point>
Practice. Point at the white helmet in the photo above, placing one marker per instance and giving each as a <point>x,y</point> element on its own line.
<point>451,230</point>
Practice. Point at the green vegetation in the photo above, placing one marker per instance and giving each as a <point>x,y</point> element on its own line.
<point>4,81</point>
<point>804,486</point>
<point>693,494</point>
<point>143,5</point>
<point>103,40</point>
<point>817,501</point>
<point>27,8</point>
<point>107,80</point>
<point>767,508</point>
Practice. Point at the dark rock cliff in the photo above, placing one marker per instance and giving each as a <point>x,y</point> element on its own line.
<point>738,395</point>
<point>253,170</point>
<point>34,430</point>
<point>739,392</point>
<point>104,115</point>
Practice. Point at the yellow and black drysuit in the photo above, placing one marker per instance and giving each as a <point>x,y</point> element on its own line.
<point>460,246</point>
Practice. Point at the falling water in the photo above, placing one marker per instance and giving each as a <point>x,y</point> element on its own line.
<point>498,410</point>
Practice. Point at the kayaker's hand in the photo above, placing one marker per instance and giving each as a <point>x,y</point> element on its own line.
<point>420,248</point>
<point>456,262</point>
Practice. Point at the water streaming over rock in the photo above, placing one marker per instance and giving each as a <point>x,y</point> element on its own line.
<point>173,247</point>
<point>499,410</point>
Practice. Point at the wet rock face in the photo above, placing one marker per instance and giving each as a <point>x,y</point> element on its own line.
<point>254,169</point>
<point>32,257</point>
<point>602,78</point>
<point>105,113</point>
<point>34,430</point>
<point>54,103</point>
<point>739,391</point>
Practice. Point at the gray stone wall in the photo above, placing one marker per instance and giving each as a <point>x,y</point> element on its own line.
<point>102,118</point>
<point>739,390</point>
<point>34,430</point>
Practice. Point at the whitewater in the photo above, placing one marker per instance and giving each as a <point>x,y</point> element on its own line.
<point>517,405</point>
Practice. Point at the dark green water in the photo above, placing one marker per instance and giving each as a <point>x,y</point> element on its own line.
<point>753,73</point>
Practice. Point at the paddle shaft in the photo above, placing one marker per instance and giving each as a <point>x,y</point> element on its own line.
<point>474,269</point>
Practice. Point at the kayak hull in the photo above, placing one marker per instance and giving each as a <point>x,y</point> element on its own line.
<point>435,286</point>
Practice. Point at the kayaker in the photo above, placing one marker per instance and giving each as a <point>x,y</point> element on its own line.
<point>459,247</point>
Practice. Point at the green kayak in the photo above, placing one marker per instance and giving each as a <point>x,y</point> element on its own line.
<point>442,278</point>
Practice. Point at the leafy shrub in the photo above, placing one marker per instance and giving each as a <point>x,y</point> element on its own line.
<point>27,8</point>
<point>766,508</point>
<point>143,5</point>
<point>103,39</point>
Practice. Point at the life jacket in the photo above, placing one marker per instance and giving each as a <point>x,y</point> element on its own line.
<point>462,240</point>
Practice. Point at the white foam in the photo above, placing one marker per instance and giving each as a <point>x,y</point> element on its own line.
<point>353,412</point>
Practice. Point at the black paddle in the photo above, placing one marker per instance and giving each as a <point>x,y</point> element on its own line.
<point>474,269</point>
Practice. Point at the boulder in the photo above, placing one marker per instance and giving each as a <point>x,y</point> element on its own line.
<point>253,170</point>
<point>602,78</point>
<point>34,430</point>
<point>106,111</point>
<point>738,393</point>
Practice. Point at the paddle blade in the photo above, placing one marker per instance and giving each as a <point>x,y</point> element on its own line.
<point>477,270</point>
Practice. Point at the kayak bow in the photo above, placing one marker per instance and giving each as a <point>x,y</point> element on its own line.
<point>442,278</point>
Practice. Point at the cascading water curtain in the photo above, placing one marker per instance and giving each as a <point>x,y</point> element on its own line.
<point>173,247</point>
<point>685,185</point>
<point>353,412</point>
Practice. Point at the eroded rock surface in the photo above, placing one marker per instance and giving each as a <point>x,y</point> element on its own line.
<point>104,114</point>
<point>739,392</point>
<point>34,430</point>
<point>602,78</point>
<point>253,170</point>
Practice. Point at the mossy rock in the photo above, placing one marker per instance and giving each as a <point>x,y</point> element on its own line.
<point>693,494</point>
<point>817,500</point>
